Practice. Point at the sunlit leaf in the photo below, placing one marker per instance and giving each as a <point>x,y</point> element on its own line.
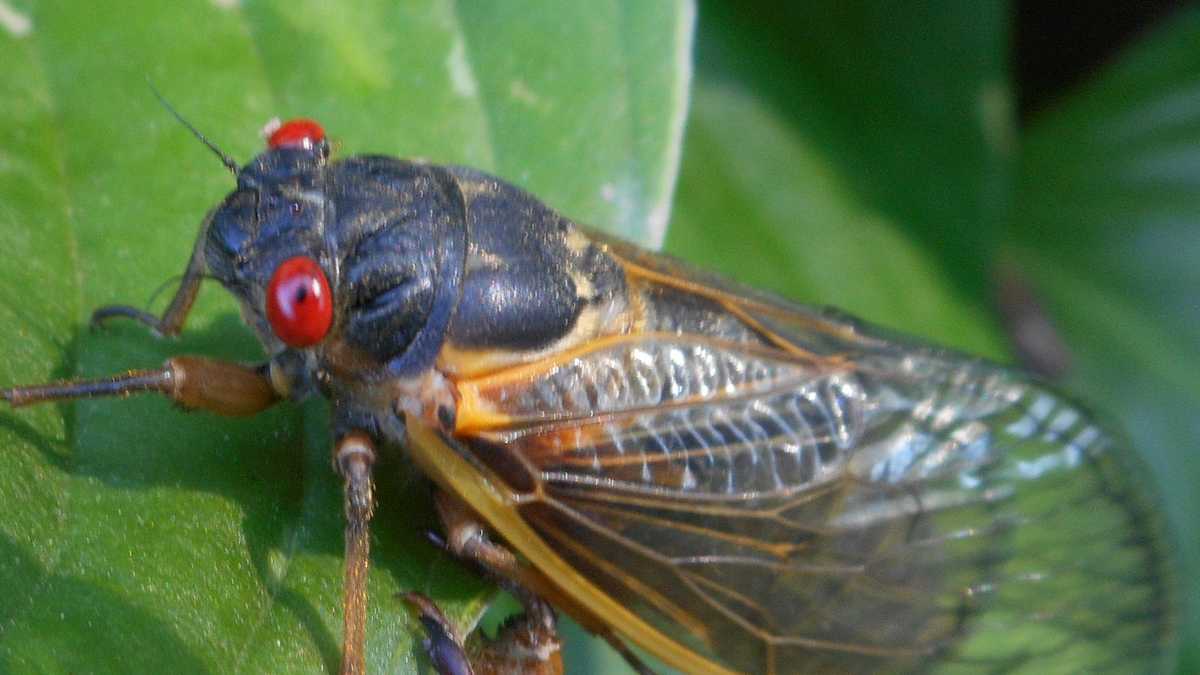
<point>137,538</point>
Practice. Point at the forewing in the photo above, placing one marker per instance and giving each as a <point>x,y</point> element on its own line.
<point>784,492</point>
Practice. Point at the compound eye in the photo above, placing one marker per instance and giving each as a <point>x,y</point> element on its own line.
<point>299,302</point>
<point>297,133</point>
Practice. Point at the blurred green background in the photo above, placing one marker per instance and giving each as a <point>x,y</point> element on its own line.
<point>859,154</point>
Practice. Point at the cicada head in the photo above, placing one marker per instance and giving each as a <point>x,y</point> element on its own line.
<point>344,263</point>
<point>266,243</point>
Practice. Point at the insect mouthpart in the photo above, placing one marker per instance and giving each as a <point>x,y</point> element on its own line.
<point>299,302</point>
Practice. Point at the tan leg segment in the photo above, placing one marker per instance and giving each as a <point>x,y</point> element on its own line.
<point>521,647</point>
<point>527,643</point>
<point>467,539</point>
<point>194,382</point>
<point>354,457</point>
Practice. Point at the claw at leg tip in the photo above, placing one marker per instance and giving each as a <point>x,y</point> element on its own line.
<point>442,642</point>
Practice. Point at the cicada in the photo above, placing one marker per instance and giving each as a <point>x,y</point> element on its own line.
<point>727,480</point>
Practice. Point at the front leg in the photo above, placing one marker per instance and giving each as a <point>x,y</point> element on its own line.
<point>171,322</point>
<point>192,382</point>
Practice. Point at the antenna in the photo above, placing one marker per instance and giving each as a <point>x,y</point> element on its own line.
<point>229,162</point>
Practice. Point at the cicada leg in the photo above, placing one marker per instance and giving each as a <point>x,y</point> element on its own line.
<point>444,644</point>
<point>527,643</point>
<point>354,458</point>
<point>522,644</point>
<point>171,322</point>
<point>192,382</point>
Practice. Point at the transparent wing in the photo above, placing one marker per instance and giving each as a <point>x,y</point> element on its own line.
<point>784,492</point>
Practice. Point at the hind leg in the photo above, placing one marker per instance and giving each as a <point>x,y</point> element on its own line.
<point>526,643</point>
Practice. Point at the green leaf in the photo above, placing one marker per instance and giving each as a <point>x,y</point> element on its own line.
<point>910,107</point>
<point>842,153</point>
<point>827,148</point>
<point>773,210</point>
<point>847,153</point>
<point>137,538</point>
<point>1106,224</point>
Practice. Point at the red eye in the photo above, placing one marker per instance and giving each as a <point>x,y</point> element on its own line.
<point>299,302</point>
<point>297,133</point>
